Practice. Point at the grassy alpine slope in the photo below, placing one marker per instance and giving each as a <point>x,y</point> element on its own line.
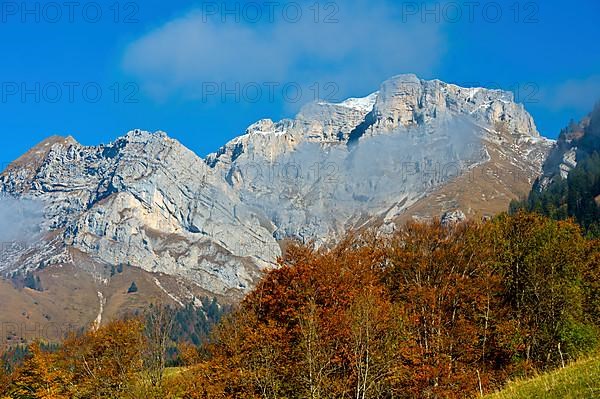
<point>579,380</point>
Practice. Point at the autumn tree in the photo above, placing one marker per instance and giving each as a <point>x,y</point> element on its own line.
<point>431,311</point>
<point>316,353</point>
<point>157,330</point>
<point>40,377</point>
<point>106,362</point>
<point>591,283</point>
<point>4,377</point>
<point>234,367</point>
<point>376,333</point>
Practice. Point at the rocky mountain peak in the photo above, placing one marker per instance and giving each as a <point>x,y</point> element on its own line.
<point>406,100</point>
<point>313,176</point>
<point>21,172</point>
<point>402,102</point>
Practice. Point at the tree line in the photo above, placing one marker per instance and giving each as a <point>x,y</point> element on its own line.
<point>431,311</point>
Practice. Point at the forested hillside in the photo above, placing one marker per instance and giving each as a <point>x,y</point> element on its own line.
<point>577,195</point>
<point>432,311</point>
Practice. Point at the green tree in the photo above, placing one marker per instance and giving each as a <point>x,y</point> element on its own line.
<point>543,263</point>
<point>132,288</point>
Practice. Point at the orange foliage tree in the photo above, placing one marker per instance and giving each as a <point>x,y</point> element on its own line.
<point>101,363</point>
<point>105,362</point>
<point>446,280</point>
<point>40,377</point>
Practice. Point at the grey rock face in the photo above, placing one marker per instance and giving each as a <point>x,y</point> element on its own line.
<point>147,201</point>
<point>336,165</point>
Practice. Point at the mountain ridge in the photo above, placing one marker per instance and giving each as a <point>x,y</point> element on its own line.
<point>412,149</point>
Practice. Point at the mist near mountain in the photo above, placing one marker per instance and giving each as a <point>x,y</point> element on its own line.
<point>21,220</point>
<point>312,190</point>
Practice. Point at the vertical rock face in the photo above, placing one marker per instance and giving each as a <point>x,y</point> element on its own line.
<point>408,149</point>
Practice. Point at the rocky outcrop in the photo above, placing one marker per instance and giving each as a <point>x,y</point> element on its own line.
<point>452,217</point>
<point>406,100</point>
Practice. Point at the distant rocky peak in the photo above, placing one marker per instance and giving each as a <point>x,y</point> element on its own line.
<point>36,155</point>
<point>19,175</point>
<point>143,136</point>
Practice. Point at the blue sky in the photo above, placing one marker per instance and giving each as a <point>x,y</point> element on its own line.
<point>100,68</point>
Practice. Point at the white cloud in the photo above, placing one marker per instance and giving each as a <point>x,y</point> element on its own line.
<point>368,44</point>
